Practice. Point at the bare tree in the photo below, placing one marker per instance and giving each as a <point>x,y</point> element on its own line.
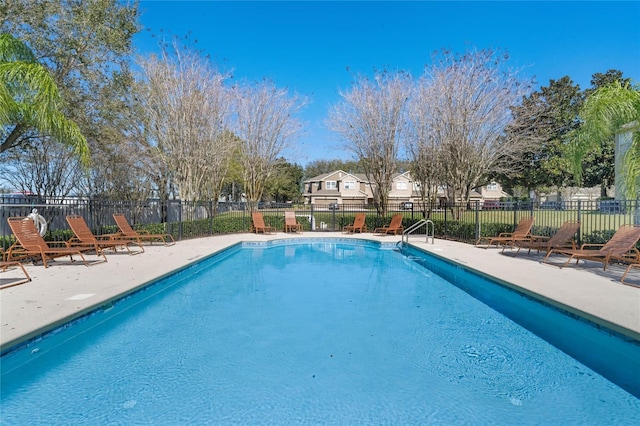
<point>126,170</point>
<point>470,99</point>
<point>265,124</point>
<point>421,141</point>
<point>370,120</point>
<point>186,113</point>
<point>52,169</point>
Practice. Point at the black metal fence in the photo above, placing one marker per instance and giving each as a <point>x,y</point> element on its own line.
<point>185,220</point>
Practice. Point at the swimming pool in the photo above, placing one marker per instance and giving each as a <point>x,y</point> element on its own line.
<point>330,332</point>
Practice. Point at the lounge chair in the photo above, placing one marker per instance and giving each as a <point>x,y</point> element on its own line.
<point>563,238</point>
<point>4,265</point>
<point>85,238</point>
<point>290,222</point>
<point>258,225</point>
<point>620,247</point>
<point>127,233</point>
<point>521,233</point>
<point>29,243</point>
<point>358,224</point>
<point>395,226</point>
<point>634,264</point>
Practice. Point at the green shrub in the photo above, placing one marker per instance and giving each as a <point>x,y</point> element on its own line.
<point>494,229</point>
<point>59,235</point>
<point>598,237</point>
<point>547,231</point>
<point>153,228</point>
<point>218,225</point>
<point>231,224</point>
<point>456,230</point>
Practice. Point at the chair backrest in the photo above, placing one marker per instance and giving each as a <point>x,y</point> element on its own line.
<point>81,229</point>
<point>396,221</point>
<point>290,218</point>
<point>524,227</point>
<point>623,240</point>
<point>123,224</point>
<point>564,234</point>
<point>258,220</point>
<point>358,221</point>
<point>26,233</point>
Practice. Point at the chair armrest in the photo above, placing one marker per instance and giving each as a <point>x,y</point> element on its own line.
<point>71,241</point>
<point>57,244</point>
<point>631,257</point>
<point>539,238</point>
<point>582,247</point>
<point>107,237</point>
<point>633,253</point>
<point>505,234</point>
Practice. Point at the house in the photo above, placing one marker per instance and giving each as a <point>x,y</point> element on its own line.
<point>339,187</point>
<point>403,188</point>
<point>491,191</point>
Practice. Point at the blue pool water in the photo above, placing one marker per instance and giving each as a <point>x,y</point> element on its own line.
<point>329,332</point>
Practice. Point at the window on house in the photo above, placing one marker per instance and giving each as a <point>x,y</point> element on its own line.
<point>401,185</point>
<point>349,184</point>
<point>492,186</point>
<point>330,184</point>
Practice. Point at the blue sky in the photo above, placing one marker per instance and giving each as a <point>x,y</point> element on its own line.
<point>315,48</point>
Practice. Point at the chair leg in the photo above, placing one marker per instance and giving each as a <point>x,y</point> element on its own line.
<point>570,259</point>
<point>547,256</point>
<point>26,278</point>
<point>637,265</point>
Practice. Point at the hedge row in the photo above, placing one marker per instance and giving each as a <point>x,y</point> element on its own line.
<point>462,231</point>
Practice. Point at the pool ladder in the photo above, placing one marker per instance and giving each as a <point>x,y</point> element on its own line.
<point>418,225</point>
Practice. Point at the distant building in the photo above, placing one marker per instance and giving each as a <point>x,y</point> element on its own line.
<point>339,187</point>
<point>491,191</point>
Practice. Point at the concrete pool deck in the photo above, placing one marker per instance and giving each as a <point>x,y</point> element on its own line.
<point>66,290</point>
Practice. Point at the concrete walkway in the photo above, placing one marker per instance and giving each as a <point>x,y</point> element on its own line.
<point>67,290</point>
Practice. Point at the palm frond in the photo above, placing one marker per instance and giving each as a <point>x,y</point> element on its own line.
<point>67,132</point>
<point>29,97</point>
<point>611,109</point>
<point>8,106</point>
<point>631,168</point>
<point>578,145</point>
<point>30,81</point>
<point>12,49</point>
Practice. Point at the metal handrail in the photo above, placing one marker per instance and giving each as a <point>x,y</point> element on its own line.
<point>416,226</point>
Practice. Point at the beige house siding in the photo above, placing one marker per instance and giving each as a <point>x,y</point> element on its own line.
<point>340,187</point>
<point>491,191</point>
<point>336,187</point>
<point>402,188</point>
